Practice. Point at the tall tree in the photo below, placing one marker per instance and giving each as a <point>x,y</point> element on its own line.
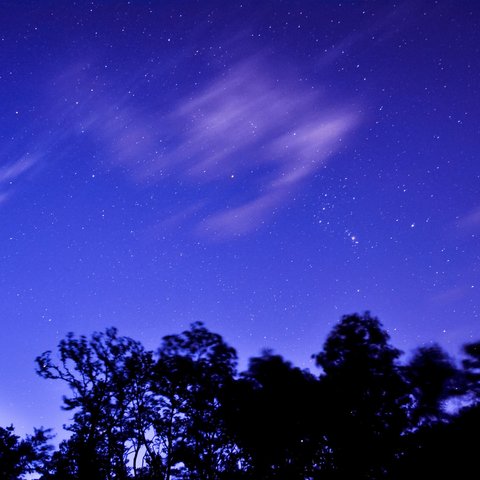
<point>194,371</point>
<point>101,379</point>
<point>366,397</point>
<point>274,419</point>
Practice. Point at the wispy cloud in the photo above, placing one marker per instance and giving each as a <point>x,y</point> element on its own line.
<point>242,219</point>
<point>470,221</point>
<point>11,171</point>
<point>247,120</point>
<point>450,295</point>
<point>3,197</point>
<point>248,131</point>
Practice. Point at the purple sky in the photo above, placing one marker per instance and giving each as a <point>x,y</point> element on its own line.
<point>263,167</point>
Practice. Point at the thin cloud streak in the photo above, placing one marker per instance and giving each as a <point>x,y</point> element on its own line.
<point>10,172</point>
<point>470,221</point>
<point>3,197</point>
<point>15,169</point>
<point>240,220</point>
<point>450,295</point>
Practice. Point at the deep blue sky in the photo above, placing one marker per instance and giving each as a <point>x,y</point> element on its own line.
<point>264,167</point>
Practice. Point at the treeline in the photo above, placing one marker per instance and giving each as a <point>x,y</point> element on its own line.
<point>184,412</point>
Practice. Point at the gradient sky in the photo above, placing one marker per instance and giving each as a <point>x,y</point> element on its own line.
<point>264,167</point>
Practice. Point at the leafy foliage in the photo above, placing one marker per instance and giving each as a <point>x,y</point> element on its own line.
<point>18,457</point>
<point>102,374</point>
<point>366,397</point>
<point>471,365</point>
<point>276,405</point>
<point>434,379</point>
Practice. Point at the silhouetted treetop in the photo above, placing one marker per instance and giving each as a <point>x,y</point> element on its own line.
<point>366,397</point>
<point>203,348</point>
<point>357,341</point>
<point>275,421</point>
<point>184,413</point>
<point>101,373</point>
<point>471,366</point>
<point>21,457</point>
<point>434,379</point>
<point>192,376</point>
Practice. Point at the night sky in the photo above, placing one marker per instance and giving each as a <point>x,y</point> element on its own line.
<point>263,167</point>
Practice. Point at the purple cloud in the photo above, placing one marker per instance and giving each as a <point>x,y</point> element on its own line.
<point>450,295</point>
<point>240,220</point>
<point>470,221</point>
<point>244,122</point>
<point>11,171</point>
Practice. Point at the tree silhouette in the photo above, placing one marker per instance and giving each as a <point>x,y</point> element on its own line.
<point>275,419</point>
<point>184,413</point>
<point>445,449</point>
<point>20,457</point>
<point>193,372</point>
<point>97,373</point>
<point>471,366</point>
<point>366,397</point>
<point>434,379</point>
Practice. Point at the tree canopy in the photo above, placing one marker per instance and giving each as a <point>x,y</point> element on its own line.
<point>184,412</point>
